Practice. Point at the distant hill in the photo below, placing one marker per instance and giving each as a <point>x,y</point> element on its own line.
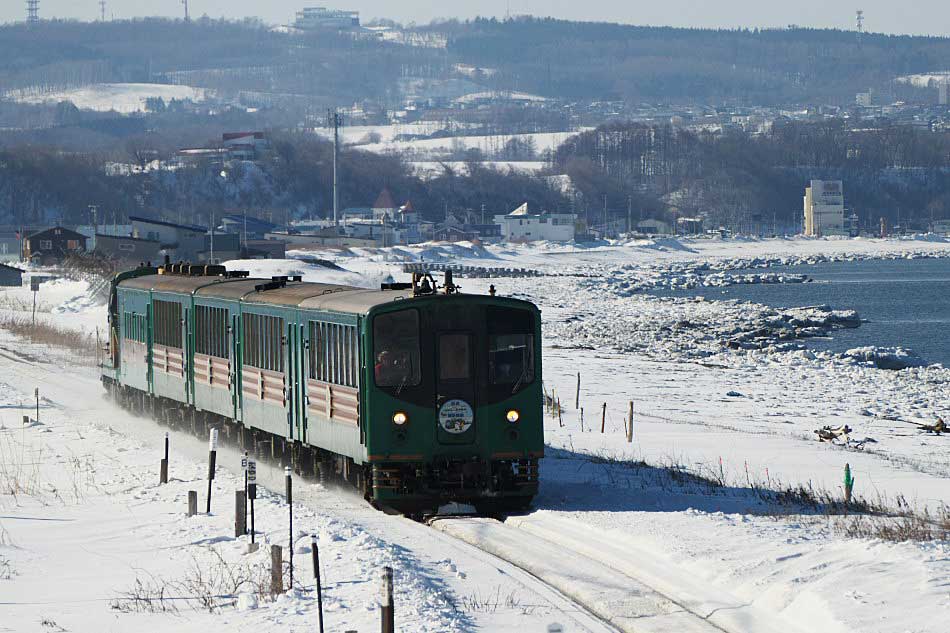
<point>554,58</point>
<point>581,60</point>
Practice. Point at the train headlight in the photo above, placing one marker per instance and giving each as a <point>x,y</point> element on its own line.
<point>513,416</point>
<point>400,418</point>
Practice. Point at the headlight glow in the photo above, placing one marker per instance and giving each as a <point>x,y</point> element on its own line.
<point>513,416</point>
<point>400,418</point>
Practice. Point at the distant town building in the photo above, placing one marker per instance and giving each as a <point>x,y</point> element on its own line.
<point>182,242</point>
<point>654,227</point>
<point>127,249</point>
<point>520,225</point>
<point>824,208</point>
<point>943,92</point>
<point>10,276</point>
<point>864,99</point>
<point>941,227</point>
<point>10,246</point>
<point>311,18</point>
<point>53,245</point>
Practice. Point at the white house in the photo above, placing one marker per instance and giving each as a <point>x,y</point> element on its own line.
<point>519,225</point>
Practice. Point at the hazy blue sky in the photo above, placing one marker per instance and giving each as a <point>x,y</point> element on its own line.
<point>915,16</point>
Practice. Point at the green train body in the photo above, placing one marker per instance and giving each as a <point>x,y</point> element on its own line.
<point>417,397</point>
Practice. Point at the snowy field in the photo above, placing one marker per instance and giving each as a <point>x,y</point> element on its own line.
<point>618,527</point>
<point>124,98</point>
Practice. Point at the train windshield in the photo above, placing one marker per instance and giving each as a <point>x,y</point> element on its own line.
<point>511,359</point>
<point>396,349</point>
<point>510,348</point>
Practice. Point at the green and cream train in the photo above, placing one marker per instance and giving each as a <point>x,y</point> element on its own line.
<point>417,395</point>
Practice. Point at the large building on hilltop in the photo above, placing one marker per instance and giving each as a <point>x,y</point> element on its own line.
<point>824,208</point>
<point>322,18</point>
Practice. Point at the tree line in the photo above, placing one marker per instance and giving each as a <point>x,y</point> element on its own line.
<point>741,179</point>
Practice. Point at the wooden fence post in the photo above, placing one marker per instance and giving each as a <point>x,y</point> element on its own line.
<point>582,419</point>
<point>630,424</point>
<point>276,570</point>
<point>577,394</point>
<point>240,513</point>
<point>603,418</point>
<point>192,503</point>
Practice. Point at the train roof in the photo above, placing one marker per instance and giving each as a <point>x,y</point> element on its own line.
<point>304,295</point>
<point>279,291</point>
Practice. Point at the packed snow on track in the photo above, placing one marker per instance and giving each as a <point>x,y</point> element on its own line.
<point>705,513</point>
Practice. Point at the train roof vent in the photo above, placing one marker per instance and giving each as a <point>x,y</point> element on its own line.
<point>236,274</point>
<point>270,285</point>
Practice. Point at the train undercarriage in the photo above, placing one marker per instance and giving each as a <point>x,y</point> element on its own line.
<point>416,489</point>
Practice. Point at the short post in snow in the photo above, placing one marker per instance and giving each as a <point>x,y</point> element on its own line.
<point>577,393</point>
<point>163,474</point>
<point>848,485</point>
<point>603,418</point>
<point>630,424</point>
<point>212,458</point>
<point>315,551</point>
<point>387,613</point>
<point>582,419</point>
<point>276,570</point>
<point>192,503</point>
<point>560,420</point>
<point>290,511</point>
<point>36,392</point>
<point>240,514</point>
<point>252,489</point>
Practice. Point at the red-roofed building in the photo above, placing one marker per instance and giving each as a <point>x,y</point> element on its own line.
<point>384,209</point>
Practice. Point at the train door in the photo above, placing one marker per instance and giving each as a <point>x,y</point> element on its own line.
<point>237,359</point>
<point>186,355</point>
<point>455,388</point>
<point>294,346</point>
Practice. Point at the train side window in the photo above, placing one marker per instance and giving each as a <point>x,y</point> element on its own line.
<point>396,349</point>
<point>211,331</point>
<point>333,353</point>
<point>168,323</point>
<point>263,343</point>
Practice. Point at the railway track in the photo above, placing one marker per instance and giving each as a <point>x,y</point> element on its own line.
<point>615,580</point>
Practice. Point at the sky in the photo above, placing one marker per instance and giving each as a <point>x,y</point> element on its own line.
<point>927,17</point>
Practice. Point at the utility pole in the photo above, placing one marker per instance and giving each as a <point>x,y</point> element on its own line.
<point>629,214</point>
<point>336,120</point>
<point>94,209</point>
<point>102,10</point>
<point>187,17</point>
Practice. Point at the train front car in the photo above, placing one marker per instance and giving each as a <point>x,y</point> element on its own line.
<point>454,402</point>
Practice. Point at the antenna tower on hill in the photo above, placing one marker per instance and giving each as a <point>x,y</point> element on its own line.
<point>102,10</point>
<point>187,17</point>
<point>32,11</point>
<point>860,21</point>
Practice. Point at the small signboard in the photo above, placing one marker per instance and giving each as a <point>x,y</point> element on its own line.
<point>251,471</point>
<point>35,283</point>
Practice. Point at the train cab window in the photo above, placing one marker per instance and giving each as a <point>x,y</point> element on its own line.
<point>455,357</point>
<point>397,359</point>
<point>511,359</point>
<point>510,347</point>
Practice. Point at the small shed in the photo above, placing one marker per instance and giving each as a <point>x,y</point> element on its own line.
<point>10,276</point>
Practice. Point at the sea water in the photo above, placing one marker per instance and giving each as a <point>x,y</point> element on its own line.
<point>906,302</point>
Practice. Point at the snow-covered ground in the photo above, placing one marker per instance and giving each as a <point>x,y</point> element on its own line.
<point>743,415</point>
<point>125,98</point>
